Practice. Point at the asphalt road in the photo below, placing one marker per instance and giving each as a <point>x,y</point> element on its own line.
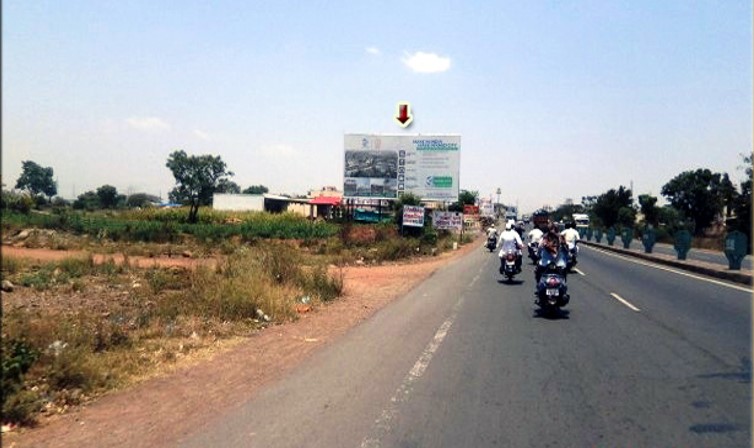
<point>693,254</point>
<point>465,361</point>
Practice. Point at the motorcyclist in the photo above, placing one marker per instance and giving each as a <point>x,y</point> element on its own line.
<point>510,240</point>
<point>551,242</point>
<point>535,236</point>
<point>492,232</point>
<point>571,237</point>
<point>520,229</point>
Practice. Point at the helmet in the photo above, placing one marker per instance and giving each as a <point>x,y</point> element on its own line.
<point>508,226</point>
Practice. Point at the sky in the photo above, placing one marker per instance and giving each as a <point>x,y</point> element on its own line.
<point>552,99</point>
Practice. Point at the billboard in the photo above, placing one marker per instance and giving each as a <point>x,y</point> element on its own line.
<point>447,220</point>
<point>413,215</point>
<point>385,166</point>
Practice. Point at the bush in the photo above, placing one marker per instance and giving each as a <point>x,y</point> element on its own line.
<point>19,405</point>
<point>16,202</point>
<point>319,283</point>
<point>395,249</point>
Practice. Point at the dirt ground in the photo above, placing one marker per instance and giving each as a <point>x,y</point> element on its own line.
<point>160,410</point>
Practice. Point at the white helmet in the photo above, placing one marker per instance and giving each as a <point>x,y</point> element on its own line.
<point>508,226</point>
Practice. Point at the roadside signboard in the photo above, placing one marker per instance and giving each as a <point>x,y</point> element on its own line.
<point>447,220</point>
<point>487,209</point>
<point>470,209</point>
<point>385,166</point>
<point>413,215</point>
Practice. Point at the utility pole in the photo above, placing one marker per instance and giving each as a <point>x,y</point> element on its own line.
<point>497,206</point>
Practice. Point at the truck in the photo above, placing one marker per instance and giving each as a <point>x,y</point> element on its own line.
<point>541,218</point>
<point>582,222</point>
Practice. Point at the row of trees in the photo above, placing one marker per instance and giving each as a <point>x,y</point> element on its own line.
<point>197,179</point>
<point>697,198</point>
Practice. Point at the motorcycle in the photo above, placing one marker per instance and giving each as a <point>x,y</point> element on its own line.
<point>534,252</point>
<point>571,261</point>
<point>552,289</point>
<point>491,243</point>
<point>508,267</point>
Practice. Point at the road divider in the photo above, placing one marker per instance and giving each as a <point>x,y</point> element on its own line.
<point>687,265</point>
<point>624,301</point>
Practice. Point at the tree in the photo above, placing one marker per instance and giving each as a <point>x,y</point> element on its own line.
<point>466,197</point>
<point>256,189</point>
<point>108,196</point>
<point>699,195</point>
<point>36,179</point>
<point>614,207</point>
<point>227,186</point>
<point>87,201</point>
<point>141,200</point>
<point>196,179</point>
<point>648,208</point>
<point>565,212</point>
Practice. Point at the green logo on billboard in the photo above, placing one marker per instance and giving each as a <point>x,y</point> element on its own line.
<point>440,181</point>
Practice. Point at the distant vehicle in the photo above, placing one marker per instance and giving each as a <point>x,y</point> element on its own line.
<point>582,221</point>
<point>541,218</point>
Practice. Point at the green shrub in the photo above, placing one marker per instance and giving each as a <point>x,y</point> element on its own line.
<point>429,238</point>
<point>18,405</point>
<point>21,406</point>
<point>396,248</point>
<point>40,280</point>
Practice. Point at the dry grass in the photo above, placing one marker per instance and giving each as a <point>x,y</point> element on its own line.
<point>96,327</point>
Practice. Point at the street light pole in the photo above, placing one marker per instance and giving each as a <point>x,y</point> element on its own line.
<point>497,209</point>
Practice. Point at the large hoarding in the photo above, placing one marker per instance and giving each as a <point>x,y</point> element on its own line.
<point>385,166</point>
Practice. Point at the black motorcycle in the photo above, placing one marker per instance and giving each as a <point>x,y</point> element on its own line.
<point>571,262</point>
<point>552,289</point>
<point>491,243</point>
<point>533,252</point>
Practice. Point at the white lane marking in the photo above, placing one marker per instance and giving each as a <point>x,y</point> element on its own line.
<point>624,301</point>
<point>664,268</point>
<point>474,281</point>
<point>383,424</point>
<point>579,271</point>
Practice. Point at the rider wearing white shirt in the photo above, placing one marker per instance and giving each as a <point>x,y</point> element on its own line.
<point>535,235</point>
<point>571,236</point>
<point>510,240</point>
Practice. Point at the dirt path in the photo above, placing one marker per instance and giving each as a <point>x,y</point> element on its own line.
<point>159,411</point>
<point>45,255</point>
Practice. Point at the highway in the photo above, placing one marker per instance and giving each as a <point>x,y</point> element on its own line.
<point>645,356</point>
<point>707,256</point>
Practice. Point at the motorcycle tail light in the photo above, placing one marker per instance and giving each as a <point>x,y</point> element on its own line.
<point>552,281</point>
<point>510,257</point>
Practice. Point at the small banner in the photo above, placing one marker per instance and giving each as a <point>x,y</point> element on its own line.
<point>447,220</point>
<point>413,215</point>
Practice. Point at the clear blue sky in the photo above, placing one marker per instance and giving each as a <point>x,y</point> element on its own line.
<point>553,99</point>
